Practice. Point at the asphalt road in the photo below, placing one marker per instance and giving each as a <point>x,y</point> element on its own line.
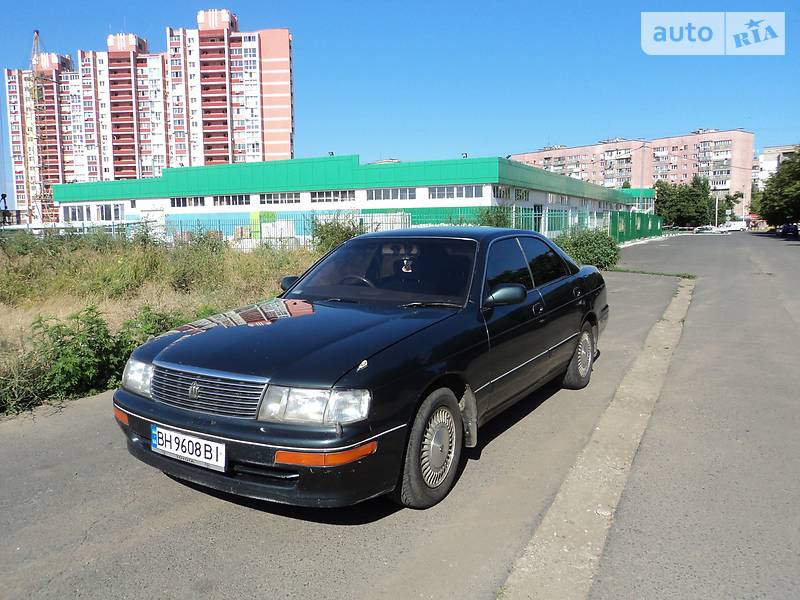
<point>80,518</point>
<point>712,505</point>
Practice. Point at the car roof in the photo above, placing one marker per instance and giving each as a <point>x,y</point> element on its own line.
<point>470,233</point>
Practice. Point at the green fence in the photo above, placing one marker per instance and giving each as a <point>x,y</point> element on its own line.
<point>295,228</point>
<point>627,226</point>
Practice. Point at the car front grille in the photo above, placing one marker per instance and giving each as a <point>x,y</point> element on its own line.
<point>213,394</point>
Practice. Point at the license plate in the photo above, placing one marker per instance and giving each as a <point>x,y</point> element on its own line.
<point>187,448</point>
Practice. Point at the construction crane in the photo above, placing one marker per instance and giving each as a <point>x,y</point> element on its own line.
<point>41,125</point>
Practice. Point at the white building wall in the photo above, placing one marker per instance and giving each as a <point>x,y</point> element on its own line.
<point>106,165</point>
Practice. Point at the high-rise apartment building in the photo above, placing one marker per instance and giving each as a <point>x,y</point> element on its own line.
<point>722,157</point>
<point>217,95</point>
<point>769,160</point>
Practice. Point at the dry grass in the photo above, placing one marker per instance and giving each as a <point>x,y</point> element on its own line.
<point>121,279</point>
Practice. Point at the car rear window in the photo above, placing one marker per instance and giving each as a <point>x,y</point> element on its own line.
<point>546,265</point>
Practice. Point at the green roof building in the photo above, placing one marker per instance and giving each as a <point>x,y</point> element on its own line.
<point>293,191</point>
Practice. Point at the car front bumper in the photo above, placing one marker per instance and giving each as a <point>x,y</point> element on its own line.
<point>251,470</point>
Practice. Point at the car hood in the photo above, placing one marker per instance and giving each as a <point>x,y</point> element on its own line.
<point>293,341</point>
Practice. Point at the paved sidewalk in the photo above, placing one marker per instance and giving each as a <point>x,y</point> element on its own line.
<point>712,506</point>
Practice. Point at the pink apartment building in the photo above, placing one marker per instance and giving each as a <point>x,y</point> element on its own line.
<point>217,95</point>
<point>725,158</point>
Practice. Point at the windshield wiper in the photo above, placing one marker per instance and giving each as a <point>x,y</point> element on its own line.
<point>426,304</point>
<point>339,300</point>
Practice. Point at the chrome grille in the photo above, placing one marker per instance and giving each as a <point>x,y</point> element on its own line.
<point>218,395</point>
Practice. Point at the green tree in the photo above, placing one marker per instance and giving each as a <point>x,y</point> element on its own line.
<point>684,205</point>
<point>755,199</point>
<point>780,201</point>
<point>626,184</point>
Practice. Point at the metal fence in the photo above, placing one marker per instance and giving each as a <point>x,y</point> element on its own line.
<point>296,229</point>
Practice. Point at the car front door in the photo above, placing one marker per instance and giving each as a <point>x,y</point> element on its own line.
<point>516,352</point>
<point>561,292</point>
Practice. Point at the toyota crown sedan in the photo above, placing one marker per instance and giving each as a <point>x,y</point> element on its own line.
<point>370,373</point>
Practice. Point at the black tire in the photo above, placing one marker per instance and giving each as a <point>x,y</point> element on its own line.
<point>421,484</point>
<point>579,370</point>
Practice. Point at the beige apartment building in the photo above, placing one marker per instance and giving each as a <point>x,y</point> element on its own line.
<point>724,157</point>
<point>768,161</point>
<point>217,95</point>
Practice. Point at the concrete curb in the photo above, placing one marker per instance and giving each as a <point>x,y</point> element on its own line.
<point>659,238</point>
<point>563,555</point>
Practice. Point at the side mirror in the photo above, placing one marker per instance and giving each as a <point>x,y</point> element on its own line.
<point>507,293</point>
<point>288,282</point>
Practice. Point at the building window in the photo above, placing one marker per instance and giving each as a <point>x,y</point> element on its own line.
<point>186,202</point>
<point>333,196</point>
<point>501,192</point>
<point>280,198</point>
<point>232,200</point>
<point>406,193</point>
<point>521,195</point>
<point>455,191</point>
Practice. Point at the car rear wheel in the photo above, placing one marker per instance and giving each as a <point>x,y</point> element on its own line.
<point>433,454</point>
<point>580,367</point>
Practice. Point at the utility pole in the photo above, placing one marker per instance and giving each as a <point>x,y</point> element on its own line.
<point>716,210</point>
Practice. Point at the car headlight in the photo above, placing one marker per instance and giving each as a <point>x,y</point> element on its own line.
<point>137,376</point>
<point>303,405</point>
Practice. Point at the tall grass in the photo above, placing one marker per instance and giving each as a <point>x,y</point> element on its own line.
<point>111,293</point>
<point>99,266</point>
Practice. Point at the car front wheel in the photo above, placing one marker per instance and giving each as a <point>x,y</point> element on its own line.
<point>433,453</point>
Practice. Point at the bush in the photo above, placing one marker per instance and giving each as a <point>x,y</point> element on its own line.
<point>76,357</point>
<point>79,353</point>
<point>18,243</point>
<point>22,383</point>
<point>326,235</point>
<point>144,236</point>
<point>494,216</point>
<point>590,247</point>
<point>197,263</point>
<point>147,324</point>
<point>99,239</point>
<point>115,274</point>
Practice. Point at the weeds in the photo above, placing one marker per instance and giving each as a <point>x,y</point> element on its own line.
<point>113,293</point>
<point>76,356</point>
<point>326,235</point>
<point>98,265</point>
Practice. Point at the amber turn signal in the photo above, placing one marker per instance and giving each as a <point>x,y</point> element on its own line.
<point>325,459</point>
<point>121,416</point>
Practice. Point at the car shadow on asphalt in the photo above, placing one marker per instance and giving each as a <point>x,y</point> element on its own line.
<point>510,417</point>
<point>789,240</point>
<point>382,507</point>
<point>358,514</point>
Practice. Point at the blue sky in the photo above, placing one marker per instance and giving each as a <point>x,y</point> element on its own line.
<point>428,80</point>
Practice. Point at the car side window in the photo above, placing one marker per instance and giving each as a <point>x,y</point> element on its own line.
<point>506,264</point>
<point>546,265</point>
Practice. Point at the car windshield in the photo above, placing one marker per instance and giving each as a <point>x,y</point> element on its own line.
<point>393,270</point>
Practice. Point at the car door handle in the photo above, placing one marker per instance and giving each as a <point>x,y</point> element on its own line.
<point>576,291</point>
<point>538,309</point>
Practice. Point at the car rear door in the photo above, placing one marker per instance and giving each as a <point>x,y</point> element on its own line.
<point>516,353</point>
<point>561,292</point>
